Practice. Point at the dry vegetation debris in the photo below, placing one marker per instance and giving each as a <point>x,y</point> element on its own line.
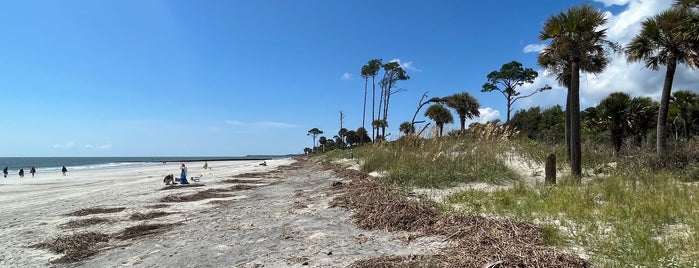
<point>95,210</point>
<point>201,195</point>
<point>476,240</point>
<point>75,247</point>
<point>84,222</point>
<point>138,216</point>
<point>143,230</point>
<point>182,186</point>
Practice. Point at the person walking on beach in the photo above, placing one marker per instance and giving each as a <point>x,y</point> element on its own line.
<point>64,170</point>
<point>206,165</point>
<point>32,171</point>
<point>21,173</point>
<point>4,172</point>
<point>183,174</point>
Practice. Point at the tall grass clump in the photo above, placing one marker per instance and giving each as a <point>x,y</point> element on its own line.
<point>616,221</point>
<point>413,161</point>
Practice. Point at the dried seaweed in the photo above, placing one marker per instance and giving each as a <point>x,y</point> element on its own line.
<point>149,215</point>
<point>182,186</point>
<point>95,210</point>
<point>476,240</point>
<point>207,194</point>
<point>143,230</point>
<point>241,181</point>
<point>84,222</point>
<point>75,247</point>
<point>158,206</point>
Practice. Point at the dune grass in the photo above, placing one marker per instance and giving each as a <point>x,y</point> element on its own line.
<point>636,215</point>
<point>416,162</point>
<point>617,225</point>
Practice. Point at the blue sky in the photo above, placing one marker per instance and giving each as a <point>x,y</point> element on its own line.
<point>228,78</point>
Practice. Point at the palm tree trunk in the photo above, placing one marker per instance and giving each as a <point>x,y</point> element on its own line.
<point>567,124</point>
<point>373,106</point>
<point>366,81</point>
<point>575,139</point>
<point>462,120</point>
<point>661,146</point>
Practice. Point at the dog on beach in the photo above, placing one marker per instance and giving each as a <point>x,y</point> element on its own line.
<point>169,179</point>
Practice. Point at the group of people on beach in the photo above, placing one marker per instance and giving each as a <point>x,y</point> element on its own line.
<point>32,171</point>
<point>170,178</point>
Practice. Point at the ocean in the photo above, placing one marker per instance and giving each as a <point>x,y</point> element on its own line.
<point>52,164</point>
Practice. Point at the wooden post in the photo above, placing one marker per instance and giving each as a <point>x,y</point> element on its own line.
<point>550,169</point>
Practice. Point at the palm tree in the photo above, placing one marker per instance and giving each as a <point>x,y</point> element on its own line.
<point>662,42</point>
<point>575,41</point>
<point>684,102</point>
<point>465,106</point>
<point>314,132</point>
<point>365,74</point>
<point>613,116</point>
<point>377,124</point>
<point>440,115</point>
<point>407,128</point>
<point>643,112</point>
<point>373,68</point>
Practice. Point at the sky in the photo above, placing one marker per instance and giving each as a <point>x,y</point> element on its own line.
<point>233,78</point>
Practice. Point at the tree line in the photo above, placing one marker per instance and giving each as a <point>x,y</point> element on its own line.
<point>576,43</point>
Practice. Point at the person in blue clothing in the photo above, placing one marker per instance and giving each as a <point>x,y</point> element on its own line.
<point>183,174</point>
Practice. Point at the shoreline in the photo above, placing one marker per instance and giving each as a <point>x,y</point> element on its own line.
<point>277,215</point>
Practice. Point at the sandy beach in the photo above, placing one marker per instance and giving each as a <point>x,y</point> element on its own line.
<point>252,216</point>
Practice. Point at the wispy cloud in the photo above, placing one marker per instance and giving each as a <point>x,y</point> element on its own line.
<point>67,145</point>
<point>104,146</point>
<point>534,48</point>
<point>275,124</point>
<point>408,65</point>
<point>346,76</point>
<point>265,124</point>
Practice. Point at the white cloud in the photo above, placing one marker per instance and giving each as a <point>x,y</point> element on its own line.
<point>632,78</point>
<point>408,65</point>
<point>67,145</point>
<point>534,48</point>
<point>614,2</point>
<point>487,114</point>
<point>104,146</point>
<point>346,76</point>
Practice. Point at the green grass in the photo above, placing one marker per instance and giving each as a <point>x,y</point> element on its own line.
<point>637,216</point>
<point>616,225</point>
<point>414,162</point>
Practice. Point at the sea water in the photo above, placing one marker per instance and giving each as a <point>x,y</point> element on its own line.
<point>54,164</point>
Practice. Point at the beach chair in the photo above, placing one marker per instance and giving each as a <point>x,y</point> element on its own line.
<point>196,178</point>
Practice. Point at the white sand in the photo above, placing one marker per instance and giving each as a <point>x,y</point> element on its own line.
<point>279,225</point>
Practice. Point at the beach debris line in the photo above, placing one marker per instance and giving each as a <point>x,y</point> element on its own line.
<point>143,230</point>
<point>95,210</point>
<point>201,195</point>
<point>182,186</point>
<point>475,240</point>
<point>138,216</point>
<point>84,222</point>
<point>75,247</point>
